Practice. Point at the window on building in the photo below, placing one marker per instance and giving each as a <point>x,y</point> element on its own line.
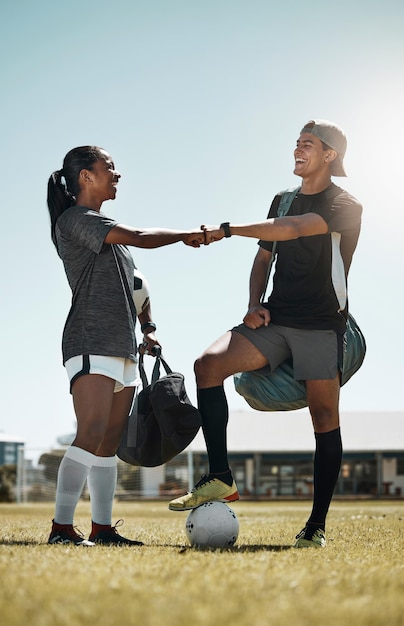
<point>400,467</point>
<point>10,457</point>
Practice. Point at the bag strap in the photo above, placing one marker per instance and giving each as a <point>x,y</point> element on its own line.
<point>156,349</point>
<point>286,200</point>
<point>156,367</point>
<point>124,283</point>
<point>142,372</point>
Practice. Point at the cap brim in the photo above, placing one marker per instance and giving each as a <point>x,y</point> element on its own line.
<point>337,168</point>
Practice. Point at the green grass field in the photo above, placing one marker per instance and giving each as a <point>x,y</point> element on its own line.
<point>357,580</point>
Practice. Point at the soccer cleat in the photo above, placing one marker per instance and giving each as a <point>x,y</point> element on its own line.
<point>317,539</point>
<point>108,535</point>
<point>65,534</point>
<point>207,490</point>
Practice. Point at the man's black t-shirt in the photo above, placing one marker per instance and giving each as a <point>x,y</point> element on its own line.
<point>310,279</point>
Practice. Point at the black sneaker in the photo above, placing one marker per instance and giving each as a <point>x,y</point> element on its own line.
<point>65,534</point>
<point>108,535</point>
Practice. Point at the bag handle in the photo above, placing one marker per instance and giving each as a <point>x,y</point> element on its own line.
<point>286,200</point>
<point>156,368</point>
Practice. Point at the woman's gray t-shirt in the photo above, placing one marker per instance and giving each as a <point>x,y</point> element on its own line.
<point>101,319</point>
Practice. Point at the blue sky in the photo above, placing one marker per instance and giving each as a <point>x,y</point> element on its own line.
<point>200,104</point>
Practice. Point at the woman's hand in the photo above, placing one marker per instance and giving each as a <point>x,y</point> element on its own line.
<point>150,341</point>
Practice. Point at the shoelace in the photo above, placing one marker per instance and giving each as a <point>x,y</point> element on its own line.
<point>311,534</point>
<point>117,524</point>
<point>72,532</point>
<point>204,479</point>
<point>301,534</point>
<point>75,533</point>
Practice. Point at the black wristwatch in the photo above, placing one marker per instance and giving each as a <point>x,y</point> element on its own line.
<point>226,228</point>
<point>148,325</point>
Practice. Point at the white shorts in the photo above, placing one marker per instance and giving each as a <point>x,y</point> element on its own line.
<point>124,371</point>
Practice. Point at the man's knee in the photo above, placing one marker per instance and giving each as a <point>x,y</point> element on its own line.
<point>201,366</point>
<point>208,371</point>
<point>324,418</point>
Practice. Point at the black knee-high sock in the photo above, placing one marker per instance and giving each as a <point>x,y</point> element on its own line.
<point>212,404</point>
<point>327,464</point>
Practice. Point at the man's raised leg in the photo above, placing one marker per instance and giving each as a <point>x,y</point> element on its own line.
<point>230,354</point>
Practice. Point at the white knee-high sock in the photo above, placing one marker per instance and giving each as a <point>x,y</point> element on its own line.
<point>73,471</point>
<point>101,480</point>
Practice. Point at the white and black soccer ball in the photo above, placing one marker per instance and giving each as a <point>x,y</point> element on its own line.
<point>141,292</point>
<point>212,525</point>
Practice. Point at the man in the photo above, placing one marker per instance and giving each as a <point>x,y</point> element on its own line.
<point>303,319</point>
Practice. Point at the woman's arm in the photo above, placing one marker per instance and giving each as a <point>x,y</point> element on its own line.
<point>153,237</point>
<point>149,337</point>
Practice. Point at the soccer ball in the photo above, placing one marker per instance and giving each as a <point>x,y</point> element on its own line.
<point>141,292</point>
<point>213,525</point>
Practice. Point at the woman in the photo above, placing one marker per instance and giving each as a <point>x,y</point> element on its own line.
<point>99,343</point>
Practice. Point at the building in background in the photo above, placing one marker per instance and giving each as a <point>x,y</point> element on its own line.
<point>10,448</point>
<point>271,455</point>
<point>11,458</point>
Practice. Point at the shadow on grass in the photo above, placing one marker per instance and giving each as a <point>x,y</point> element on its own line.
<point>15,542</point>
<point>235,549</point>
<point>262,548</point>
<point>182,549</point>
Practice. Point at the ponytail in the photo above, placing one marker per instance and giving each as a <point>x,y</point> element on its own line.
<point>59,199</point>
<point>62,196</point>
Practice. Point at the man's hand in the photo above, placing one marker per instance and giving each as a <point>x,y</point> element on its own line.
<point>257,316</point>
<point>212,233</point>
